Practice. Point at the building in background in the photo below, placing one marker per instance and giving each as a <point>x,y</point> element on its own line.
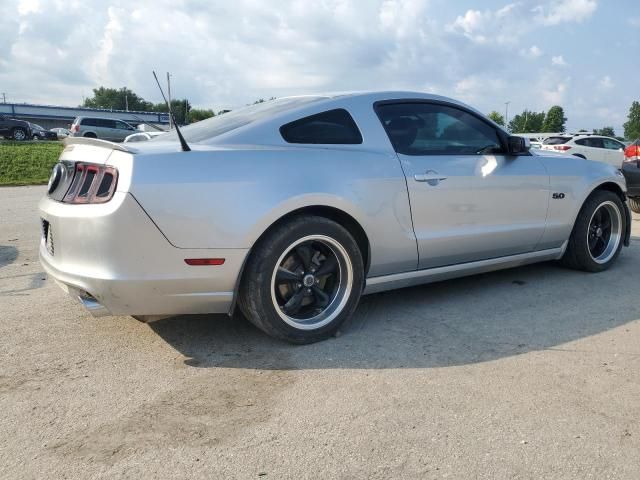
<point>51,116</point>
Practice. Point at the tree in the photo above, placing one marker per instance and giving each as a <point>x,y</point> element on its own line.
<point>496,117</point>
<point>117,99</point>
<point>197,114</point>
<point>527,121</point>
<point>555,120</point>
<point>605,131</point>
<point>180,109</point>
<point>632,125</point>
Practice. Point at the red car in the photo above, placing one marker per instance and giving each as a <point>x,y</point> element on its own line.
<point>631,171</point>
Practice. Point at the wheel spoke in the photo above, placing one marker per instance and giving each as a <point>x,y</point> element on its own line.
<point>322,299</point>
<point>330,265</point>
<point>294,303</point>
<point>606,222</point>
<point>305,254</point>
<point>598,216</point>
<point>593,240</point>
<point>601,243</point>
<point>285,275</point>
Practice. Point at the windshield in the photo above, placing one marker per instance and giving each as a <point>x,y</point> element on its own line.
<point>214,126</point>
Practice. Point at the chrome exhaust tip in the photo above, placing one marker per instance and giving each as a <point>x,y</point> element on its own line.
<point>95,308</point>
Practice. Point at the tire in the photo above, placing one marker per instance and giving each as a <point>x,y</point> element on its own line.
<point>90,135</point>
<point>634,204</point>
<point>19,134</point>
<point>594,247</point>
<point>280,293</point>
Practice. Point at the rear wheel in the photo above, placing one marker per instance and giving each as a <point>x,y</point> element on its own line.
<point>90,135</point>
<point>19,134</point>
<point>597,236</point>
<point>634,204</point>
<point>303,280</point>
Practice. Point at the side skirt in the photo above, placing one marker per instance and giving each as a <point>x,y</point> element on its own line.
<point>418,277</point>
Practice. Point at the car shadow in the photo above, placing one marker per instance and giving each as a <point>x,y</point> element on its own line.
<point>463,321</point>
<point>8,255</point>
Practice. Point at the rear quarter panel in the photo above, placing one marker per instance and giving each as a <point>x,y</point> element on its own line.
<point>576,179</point>
<point>226,198</point>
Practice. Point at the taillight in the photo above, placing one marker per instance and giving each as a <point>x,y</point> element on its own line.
<point>562,148</point>
<point>75,128</point>
<point>92,184</point>
<point>632,153</point>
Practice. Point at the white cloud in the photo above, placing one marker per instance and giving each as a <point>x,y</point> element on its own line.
<point>535,51</point>
<point>509,23</point>
<point>26,7</point>
<point>634,22</point>
<point>558,61</point>
<point>554,88</point>
<point>565,11</point>
<point>606,83</point>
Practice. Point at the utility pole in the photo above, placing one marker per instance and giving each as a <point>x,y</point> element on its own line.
<point>506,114</point>
<point>126,102</point>
<point>4,97</point>
<point>169,96</point>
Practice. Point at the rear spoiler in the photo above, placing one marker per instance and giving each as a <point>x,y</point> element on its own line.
<point>98,143</point>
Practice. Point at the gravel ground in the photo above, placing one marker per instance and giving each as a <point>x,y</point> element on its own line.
<point>526,373</point>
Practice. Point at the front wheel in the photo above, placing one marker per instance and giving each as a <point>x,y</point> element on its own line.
<point>597,236</point>
<point>634,204</point>
<point>303,280</point>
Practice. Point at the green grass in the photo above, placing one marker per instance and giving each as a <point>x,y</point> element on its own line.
<point>27,163</point>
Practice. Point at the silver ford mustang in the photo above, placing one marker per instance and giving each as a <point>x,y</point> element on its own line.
<point>293,208</point>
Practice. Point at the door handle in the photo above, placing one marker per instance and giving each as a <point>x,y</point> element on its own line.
<point>431,177</point>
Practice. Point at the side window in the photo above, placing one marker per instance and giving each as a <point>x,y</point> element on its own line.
<point>89,122</point>
<point>595,143</point>
<point>331,127</point>
<point>582,141</point>
<point>612,144</point>
<point>105,123</point>
<point>431,129</point>
<point>121,125</point>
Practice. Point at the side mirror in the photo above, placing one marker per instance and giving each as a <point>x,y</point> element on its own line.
<point>518,145</point>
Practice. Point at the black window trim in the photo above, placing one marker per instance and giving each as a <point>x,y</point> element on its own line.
<point>502,135</point>
<point>298,120</point>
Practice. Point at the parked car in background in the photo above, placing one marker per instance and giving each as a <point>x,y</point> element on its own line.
<point>39,133</point>
<point>631,171</point>
<point>13,128</point>
<point>61,132</point>
<point>142,136</point>
<point>297,206</point>
<point>102,128</point>
<point>590,147</point>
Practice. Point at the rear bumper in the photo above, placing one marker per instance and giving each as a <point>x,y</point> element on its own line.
<point>115,260</point>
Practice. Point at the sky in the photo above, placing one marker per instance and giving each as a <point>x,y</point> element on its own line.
<point>580,54</point>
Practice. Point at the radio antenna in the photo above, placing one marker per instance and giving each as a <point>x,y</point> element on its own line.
<point>183,142</point>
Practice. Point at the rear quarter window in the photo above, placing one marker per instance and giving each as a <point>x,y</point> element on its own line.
<point>335,127</point>
<point>556,140</point>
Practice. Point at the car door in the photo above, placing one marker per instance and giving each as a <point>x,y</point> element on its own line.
<point>469,201</point>
<point>595,149</point>
<point>123,130</point>
<point>614,152</point>
<point>3,125</point>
